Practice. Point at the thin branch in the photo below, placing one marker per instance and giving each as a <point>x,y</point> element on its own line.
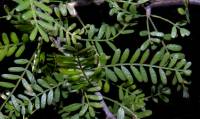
<point>106,110</point>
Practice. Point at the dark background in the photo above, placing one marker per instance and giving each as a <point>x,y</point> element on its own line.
<point>177,108</point>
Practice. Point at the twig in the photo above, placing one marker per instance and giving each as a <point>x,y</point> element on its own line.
<point>107,112</point>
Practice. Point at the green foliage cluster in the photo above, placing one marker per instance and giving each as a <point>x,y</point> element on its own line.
<point>78,64</point>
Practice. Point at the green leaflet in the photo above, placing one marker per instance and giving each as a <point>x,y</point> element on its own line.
<point>36,87</point>
<point>184,32</point>
<point>43,100</point>
<point>111,45</point>
<point>136,73</point>
<point>11,50</point>
<point>187,72</point>
<point>179,77</point>
<point>128,18</point>
<point>37,103</point>
<point>145,56</point>
<point>99,48</point>
<point>165,59</point>
<point>15,103</point>
<point>133,9</point>
<point>43,7</point>
<point>113,31</point>
<point>46,25</point>
<point>30,76</point>
<point>43,83</point>
<point>27,15</point>
<point>50,97</point>
<point>57,94</point>
<point>173,61</point>
<point>120,16</point>
<point>121,93</point>
<point>21,61</point>
<point>127,31</point>
<point>187,65</point>
<point>25,38</point>
<point>51,81</point>
<point>106,87</point>
<point>26,85</point>
<point>6,85</point>
<point>57,12</point>
<point>72,27</point>
<point>30,107</point>
<point>101,31</point>
<point>174,80</point>
<point>174,47</point>
<point>125,56</point>
<point>157,34</point>
<point>180,55</point>
<point>20,50</point>
<point>145,113</point>
<point>119,73</point>
<point>91,111</point>
<point>181,11</point>
<point>111,75</point>
<point>181,63</point>
<point>127,74</point>
<point>11,76</point>
<point>59,77</point>
<point>120,113</point>
<point>43,34</point>
<point>135,56</point>
<point>45,16</point>
<point>63,9</point>
<point>108,31</point>
<point>72,107</point>
<point>5,39</point>
<point>144,74</point>
<point>91,31</point>
<point>164,98</point>
<point>94,89</point>
<point>174,32</point>
<point>23,97</point>
<point>103,59</point>
<point>23,6</point>
<point>33,34</point>
<point>23,110</point>
<point>145,45</point>
<point>83,110</point>
<point>157,57</point>
<point>167,37</point>
<point>163,76</point>
<point>143,33</point>
<point>116,56</point>
<point>96,105</point>
<point>14,38</point>
<point>94,97</point>
<point>153,75</point>
<point>2,53</point>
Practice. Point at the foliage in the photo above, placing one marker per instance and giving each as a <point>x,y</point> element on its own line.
<point>77,63</point>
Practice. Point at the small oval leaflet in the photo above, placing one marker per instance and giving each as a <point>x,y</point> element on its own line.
<point>43,100</point>
<point>153,75</point>
<point>116,56</point>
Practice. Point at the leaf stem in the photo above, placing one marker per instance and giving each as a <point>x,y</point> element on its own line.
<point>146,65</point>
